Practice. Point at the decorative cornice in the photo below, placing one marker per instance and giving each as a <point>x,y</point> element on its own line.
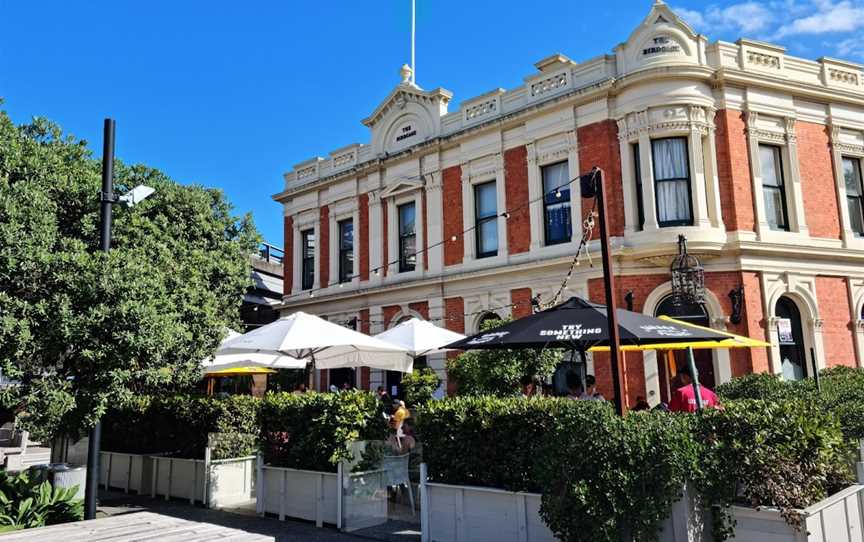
<point>693,118</point>
<point>404,94</point>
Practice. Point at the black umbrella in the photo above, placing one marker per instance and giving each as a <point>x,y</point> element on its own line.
<point>577,324</point>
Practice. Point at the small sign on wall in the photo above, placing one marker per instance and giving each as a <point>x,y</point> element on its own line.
<point>784,331</point>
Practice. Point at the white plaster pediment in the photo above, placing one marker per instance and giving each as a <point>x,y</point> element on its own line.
<point>409,115</point>
<point>400,187</point>
<point>662,38</point>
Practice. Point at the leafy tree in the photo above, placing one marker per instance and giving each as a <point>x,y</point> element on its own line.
<point>80,328</point>
<point>420,385</point>
<point>497,372</point>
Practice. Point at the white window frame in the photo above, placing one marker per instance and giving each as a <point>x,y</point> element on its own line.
<point>303,221</point>
<point>344,210</point>
<point>840,150</point>
<point>696,125</point>
<point>783,137</point>
<point>393,203</point>
<point>567,151</point>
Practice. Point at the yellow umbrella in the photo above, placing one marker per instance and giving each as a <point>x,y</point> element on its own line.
<point>237,371</point>
<point>734,341</point>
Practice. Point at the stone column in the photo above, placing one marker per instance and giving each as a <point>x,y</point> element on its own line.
<point>435,222</point>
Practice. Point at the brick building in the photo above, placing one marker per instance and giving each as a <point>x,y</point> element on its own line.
<point>752,154</point>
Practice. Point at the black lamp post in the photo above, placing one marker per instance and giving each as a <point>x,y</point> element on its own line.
<point>107,199</point>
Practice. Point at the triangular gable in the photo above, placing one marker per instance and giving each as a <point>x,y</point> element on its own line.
<point>401,186</point>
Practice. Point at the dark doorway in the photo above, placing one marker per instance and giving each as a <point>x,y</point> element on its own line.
<point>695,314</point>
<point>341,377</point>
<point>790,335</point>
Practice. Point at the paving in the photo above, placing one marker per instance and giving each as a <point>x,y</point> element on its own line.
<point>243,519</point>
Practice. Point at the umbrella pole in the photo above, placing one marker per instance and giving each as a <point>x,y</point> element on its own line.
<point>694,375</point>
<point>609,285</point>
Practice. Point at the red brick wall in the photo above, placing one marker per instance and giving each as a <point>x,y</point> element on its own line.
<point>288,264</point>
<point>817,180</point>
<point>385,257</point>
<point>733,171</point>
<point>521,299</point>
<point>363,316</point>
<point>363,235</point>
<point>454,311</point>
<point>838,327</point>
<point>516,195</point>
<point>324,247</point>
<point>421,308</point>
<point>742,360</point>
<point>598,146</point>
<point>451,179</point>
<point>634,366</point>
<point>388,312</point>
<point>324,380</point>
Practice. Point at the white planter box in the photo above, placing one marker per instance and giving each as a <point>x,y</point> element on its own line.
<point>129,472</point>
<point>461,513</point>
<point>179,478</point>
<point>303,494</point>
<point>839,518</point>
<point>452,513</point>
<point>231,482</point>
<point>349,501</point>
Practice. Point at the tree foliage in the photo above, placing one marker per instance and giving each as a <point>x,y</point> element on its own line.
<point>497,372</point>
<point>80,328</point>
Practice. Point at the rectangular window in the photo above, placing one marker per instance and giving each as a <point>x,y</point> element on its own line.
<point>486,219</point>
<point>407,238</point>
<point>308,259</point>
<point>637,174</point>
<point>346,250</point>
<point>773,187</point>
<point>556,203</point>
<point>854,194</point>
<point>672,182</point>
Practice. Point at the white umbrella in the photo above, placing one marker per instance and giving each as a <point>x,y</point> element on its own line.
<point>325,344</point>
<point>419,337</point>
<point>221,362</point>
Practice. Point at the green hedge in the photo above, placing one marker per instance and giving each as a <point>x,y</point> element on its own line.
<point>179,425</point>
<point>842,393</point>
<point>600,473</point>
<point>314,430</point>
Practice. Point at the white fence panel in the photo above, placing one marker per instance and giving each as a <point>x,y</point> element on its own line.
<point>129,472</point>
<point>303,494</point>
<point>179,478</point>
<point>465,513</point>
<point>839,518</point>
<point>231,482</point>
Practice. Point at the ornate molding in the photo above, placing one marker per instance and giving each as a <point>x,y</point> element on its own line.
<point>859,326</point>
<point>843,76</point>
<point>763,60</point>
<point>306,172</point>
<point>692,118</point>
<point>343,159</point>
<point>818,324</point>
<point>549,84</point>
<point>482,109</point>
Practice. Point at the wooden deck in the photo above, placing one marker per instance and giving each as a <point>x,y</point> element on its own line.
<point>137,526</point>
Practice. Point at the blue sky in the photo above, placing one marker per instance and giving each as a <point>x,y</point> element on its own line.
<point>232,94</point>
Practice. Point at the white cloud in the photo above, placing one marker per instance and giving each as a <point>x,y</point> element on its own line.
<point>748,16</point>
<point>851,47</point>
<point>829,17</point>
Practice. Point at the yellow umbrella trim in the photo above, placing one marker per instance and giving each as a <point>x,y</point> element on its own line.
<point>242,371</point>
<point>734,341</point>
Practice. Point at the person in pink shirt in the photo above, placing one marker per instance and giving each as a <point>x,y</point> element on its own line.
<point>684,398</point>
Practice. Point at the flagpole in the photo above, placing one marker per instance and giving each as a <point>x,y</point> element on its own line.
<point>413,34</point>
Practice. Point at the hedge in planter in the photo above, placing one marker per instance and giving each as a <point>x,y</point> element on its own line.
<point>842,393</point>
<point>486,441</point>
<point>313,431</point>
<point>787,454</point>
<point>180,425</point>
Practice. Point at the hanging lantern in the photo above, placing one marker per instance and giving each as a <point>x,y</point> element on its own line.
<point>688,277</point>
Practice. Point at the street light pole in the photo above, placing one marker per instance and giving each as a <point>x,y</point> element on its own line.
<point>609,286</point>
<point>107,199</point>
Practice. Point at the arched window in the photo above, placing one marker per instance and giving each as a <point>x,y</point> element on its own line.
<point>790,335</point>
<point>487,319</point>
<point>693,313</point>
